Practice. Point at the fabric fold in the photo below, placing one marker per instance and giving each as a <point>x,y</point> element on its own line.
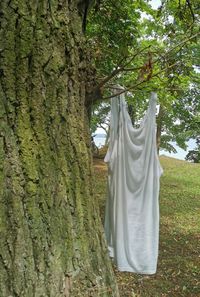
<point>132,207</point>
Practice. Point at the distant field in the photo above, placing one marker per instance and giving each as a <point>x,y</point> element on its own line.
<point>179,253</point>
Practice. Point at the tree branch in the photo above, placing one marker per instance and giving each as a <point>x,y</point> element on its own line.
<point>120,69</point>
<point>101,126</point>
<point>166,54</point>
<point>191,10</point>
<point>140,83</point>
<point>123,67</point>
<point>96,93</point>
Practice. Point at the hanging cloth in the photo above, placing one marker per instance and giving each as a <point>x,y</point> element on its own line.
<point>132,208</point>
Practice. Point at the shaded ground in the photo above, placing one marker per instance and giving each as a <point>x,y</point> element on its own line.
<point>179,252</point>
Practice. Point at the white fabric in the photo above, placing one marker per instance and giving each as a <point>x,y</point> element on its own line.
<point>132,208</point>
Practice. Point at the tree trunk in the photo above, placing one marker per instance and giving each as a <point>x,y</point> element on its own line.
<point>51,239</point>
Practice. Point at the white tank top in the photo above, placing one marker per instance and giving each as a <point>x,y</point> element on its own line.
<point>132,208</point>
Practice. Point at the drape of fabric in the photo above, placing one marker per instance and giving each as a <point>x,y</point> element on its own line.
<point>132,208</point>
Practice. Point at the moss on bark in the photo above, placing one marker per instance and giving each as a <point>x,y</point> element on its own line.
<point>51,237</point>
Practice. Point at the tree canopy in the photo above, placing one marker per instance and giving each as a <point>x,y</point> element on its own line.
<point>147,49</point>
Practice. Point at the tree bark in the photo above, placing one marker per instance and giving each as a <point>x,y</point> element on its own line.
<point>51,238</point>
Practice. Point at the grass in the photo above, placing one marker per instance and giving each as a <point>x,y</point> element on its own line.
<point>178,271</point>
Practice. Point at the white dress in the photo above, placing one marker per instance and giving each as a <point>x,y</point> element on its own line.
<point>132,208</point>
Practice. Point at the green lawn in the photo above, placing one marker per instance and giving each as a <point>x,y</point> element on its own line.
<point>178,271</point>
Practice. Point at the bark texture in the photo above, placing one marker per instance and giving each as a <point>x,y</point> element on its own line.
<point>51,239</point>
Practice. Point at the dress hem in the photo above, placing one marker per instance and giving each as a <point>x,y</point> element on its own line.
<point>128,269</point>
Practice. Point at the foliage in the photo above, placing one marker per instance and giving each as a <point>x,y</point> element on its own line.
<point>113,31</point>
<point>99,117</point>
<point>178,263</point>
<point>145,49</point>
<point>194,155</point>
<point>182,119</point>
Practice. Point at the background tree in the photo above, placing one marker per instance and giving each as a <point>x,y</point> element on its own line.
<point>51,241</point>
<point>100,117</point>
<point>194,155</point>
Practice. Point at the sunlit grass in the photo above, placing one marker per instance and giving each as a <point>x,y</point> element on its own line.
<point>179,252</point>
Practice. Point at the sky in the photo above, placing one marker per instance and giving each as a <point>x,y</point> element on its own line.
<point>180,153</point>
<point>155,3</point>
